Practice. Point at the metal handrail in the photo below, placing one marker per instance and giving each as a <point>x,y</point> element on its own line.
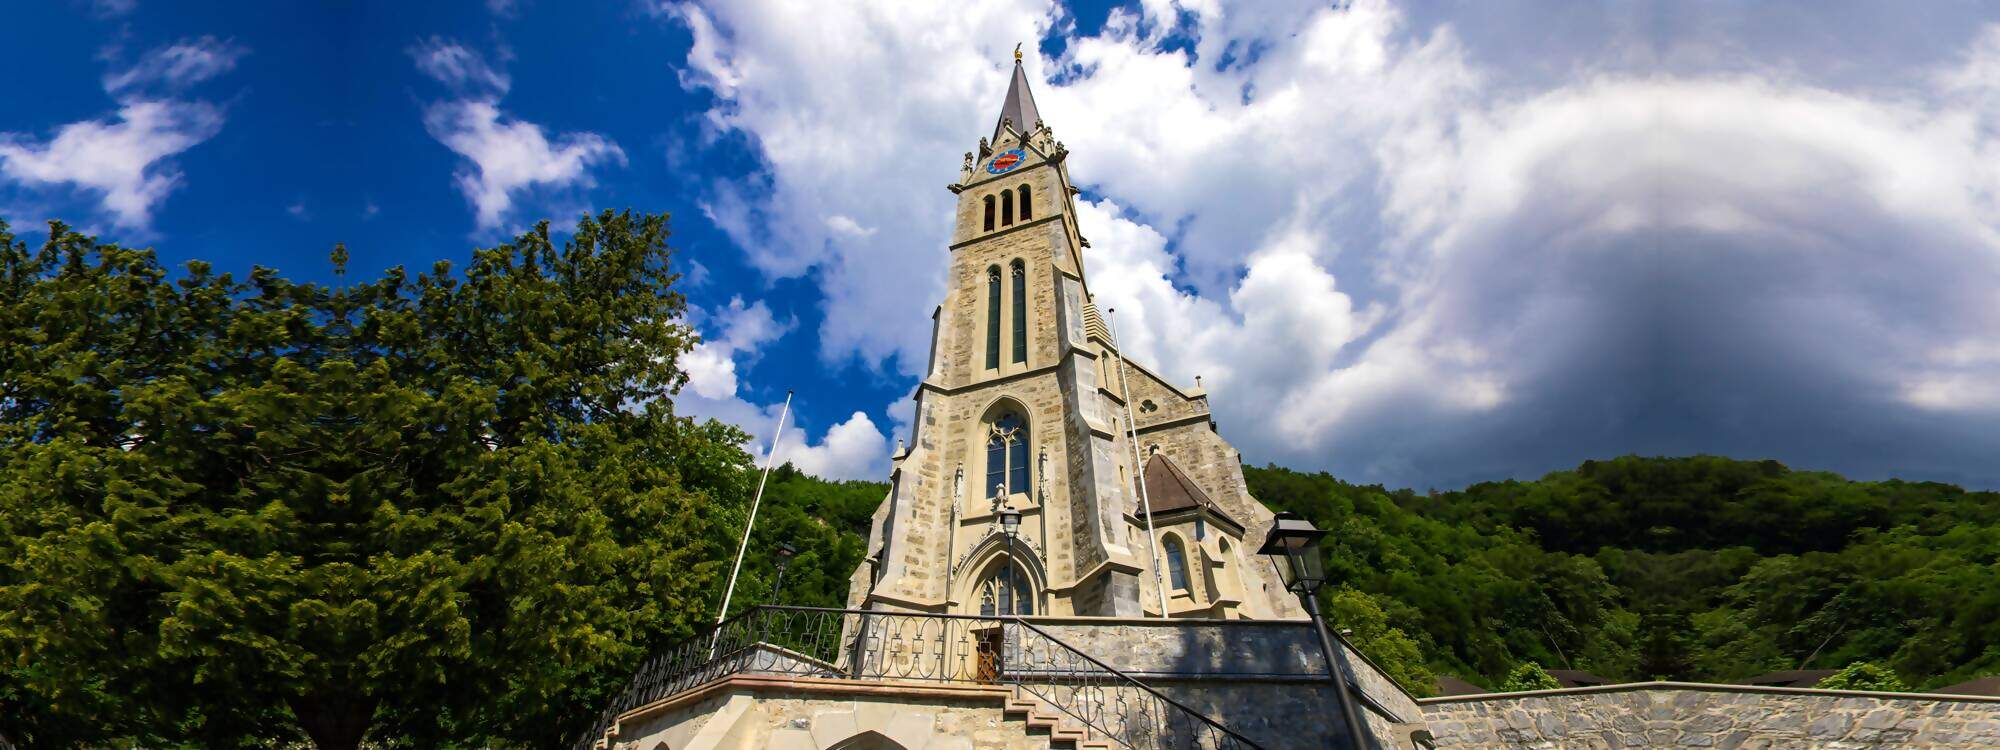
<point>1129,681</point>
<point>871,644</point>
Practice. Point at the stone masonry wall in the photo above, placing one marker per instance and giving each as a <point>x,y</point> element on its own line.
<point>1666,715</point>
<point>1254,677</point>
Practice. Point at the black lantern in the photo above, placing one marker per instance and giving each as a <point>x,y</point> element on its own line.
<point>784,553</point>
<point>1010,522</point>
<point>1293,547</point>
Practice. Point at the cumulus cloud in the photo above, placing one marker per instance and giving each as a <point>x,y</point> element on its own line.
<point>125,159</point>
<point>176,67</point>
<point>850,449</point>
<point>456,66</point>
<point>506,158</point>
<point>1393,261</point>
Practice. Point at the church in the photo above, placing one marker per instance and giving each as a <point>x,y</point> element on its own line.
<point>1130,503</point>
<point>1068,557</point>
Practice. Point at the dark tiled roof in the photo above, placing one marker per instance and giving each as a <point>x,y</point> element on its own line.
<point>1789,678</point>
<point>1981,686</point>
<point>1169,490</point>
<point>1578,678</point>
<point>1449,685</point>
<point>1019,105</point>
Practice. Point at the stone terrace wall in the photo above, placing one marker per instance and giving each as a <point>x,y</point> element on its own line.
<point>1673,714</point>
<point>1255,677</point>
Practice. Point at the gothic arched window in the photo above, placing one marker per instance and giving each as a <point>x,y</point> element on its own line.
<point>1026,213</point>
<point>1005,593</point>
<point>992,317</point>
<point>989,213</point>
<point>1007,453</point>
<point>1177,576</point>
<point>1006,208</point>
<point>1020,312</point>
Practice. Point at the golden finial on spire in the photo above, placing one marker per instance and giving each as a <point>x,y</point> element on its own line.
<point>1017,52</point>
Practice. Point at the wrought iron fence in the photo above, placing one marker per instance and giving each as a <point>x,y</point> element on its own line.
<point>863,644</point>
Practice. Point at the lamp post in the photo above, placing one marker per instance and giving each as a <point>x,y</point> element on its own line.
<point>1010,525</point>
<point>1293,546</point>
<point>785,552</point>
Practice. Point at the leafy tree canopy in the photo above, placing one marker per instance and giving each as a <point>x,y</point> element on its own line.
<point>446,509</point>
<point>1863,675</point>
<point>1528,676</point>
<point>1700,568</point>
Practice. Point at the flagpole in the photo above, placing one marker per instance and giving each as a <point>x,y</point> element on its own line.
<point>770,457</point>
<point>1139,465</point>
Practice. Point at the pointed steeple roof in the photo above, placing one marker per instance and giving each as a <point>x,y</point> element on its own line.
<point>1019,105</point>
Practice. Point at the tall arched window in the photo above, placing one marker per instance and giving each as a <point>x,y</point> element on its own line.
<point>1026,213</point>
<point>1020,312</point>
<point>1007,454</point>
<point>1176,565</point>
<point>1005,592</point>
<point>1006,208</point>
<point>989,213</point>
<point>992,317</point>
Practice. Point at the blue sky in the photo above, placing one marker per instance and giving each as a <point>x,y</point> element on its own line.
<point>1415,243</point>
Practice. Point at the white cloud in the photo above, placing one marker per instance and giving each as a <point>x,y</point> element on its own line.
<point>176,67</point>
<point>458,67</point>
<point>506,158</point>
<point>125,158</point>
<point>851,449</point>
<point>122,159</point>
<point>1389,260</point>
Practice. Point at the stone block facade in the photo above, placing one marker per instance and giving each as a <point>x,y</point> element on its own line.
<point>1695,715</point>
<point>1020,356</point>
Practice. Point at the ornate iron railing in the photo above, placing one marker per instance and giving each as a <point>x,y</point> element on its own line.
<point>863,644</point>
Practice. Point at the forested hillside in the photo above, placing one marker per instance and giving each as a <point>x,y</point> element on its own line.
<point>1702,568</point>
<point>1698,568</point>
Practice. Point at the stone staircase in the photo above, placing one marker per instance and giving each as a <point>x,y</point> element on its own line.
<point>1064,730</point>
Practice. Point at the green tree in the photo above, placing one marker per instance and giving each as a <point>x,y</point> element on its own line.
<point>1528,676</point>
<point>1388,647</point>
<point>448,510</point>
<point>1863,675</point>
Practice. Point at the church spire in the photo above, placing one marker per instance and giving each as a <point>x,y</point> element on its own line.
<point>1019,106</point>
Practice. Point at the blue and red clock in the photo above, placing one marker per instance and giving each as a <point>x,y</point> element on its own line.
<point>1005,161</point>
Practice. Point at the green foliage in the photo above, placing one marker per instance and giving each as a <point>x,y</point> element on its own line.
<point>1697,568</point>
<point>1388,647</point>
<point>441,511</point>
<point>1528,676</point>
<point>1863,675</point>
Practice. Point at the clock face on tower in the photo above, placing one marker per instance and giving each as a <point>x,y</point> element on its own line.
<point>1005,161</point>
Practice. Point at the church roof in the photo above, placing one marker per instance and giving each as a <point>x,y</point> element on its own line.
<point>1019,105</point>
<point>1168,489</point>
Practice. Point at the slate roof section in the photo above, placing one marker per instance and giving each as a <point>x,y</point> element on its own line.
<point>1019,105</point>
<point>1168,489</point>
<point>1449,685</point>
<point>1789,678</point>
<point>1981,686</point>
<point>1571,678</point>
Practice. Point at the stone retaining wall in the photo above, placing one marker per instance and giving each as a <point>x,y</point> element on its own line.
<point>1675,714</point>
<point>1255,677</point>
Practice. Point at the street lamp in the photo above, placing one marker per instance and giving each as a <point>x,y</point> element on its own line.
<point>1010,525</point>
<point>1293,546</point>
<point>785,552</point>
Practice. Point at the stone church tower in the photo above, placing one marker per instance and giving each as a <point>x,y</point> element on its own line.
<point>1025,403</point>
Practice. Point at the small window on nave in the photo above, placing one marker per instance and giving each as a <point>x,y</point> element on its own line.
<point>1177,576</point>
